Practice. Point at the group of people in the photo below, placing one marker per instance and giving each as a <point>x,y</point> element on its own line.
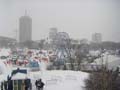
<point>39,84</point>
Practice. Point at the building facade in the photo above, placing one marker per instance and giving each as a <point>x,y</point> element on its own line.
<point>7,41</point>
<point>97,38</point>
<point>25,29</point>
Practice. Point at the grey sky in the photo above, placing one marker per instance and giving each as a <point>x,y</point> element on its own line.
<point>80,18</point>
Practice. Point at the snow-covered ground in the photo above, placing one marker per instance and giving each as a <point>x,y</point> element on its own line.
<point>60,80</point>
<point>112,61</point>
<point>54,79</point>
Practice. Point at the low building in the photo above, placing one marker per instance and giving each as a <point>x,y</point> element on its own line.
<point>7,42</point>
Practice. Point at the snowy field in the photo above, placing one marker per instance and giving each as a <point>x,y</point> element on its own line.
<point>54,79</point>
<point>112,61</point>
<point>60,80</point>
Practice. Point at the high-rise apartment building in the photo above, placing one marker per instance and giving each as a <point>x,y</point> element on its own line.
<point>25,28</point>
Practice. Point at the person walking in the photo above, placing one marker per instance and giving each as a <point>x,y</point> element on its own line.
<point>40,84</point>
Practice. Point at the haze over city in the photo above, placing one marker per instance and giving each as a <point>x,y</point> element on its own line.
<point>79,18</point>
<point>59,44</point>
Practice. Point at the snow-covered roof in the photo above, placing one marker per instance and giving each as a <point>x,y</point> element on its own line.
<point>19,76</point>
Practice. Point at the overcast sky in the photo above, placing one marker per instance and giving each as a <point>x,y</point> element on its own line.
<point>79,18</point>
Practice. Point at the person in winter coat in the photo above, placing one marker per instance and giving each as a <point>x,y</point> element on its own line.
<point>36,84</point>
<point>40,84</point>
<point>2,85</point>
<point>10,86</point>
<point>5,85</point>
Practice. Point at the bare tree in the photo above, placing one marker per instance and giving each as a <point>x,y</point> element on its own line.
<point>103,79</point>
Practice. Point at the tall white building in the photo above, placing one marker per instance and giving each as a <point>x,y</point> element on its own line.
<point>25,28</point>
<point>97,37</point>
